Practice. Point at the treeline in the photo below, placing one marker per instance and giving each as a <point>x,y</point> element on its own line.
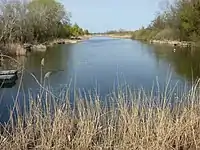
<point>119,32</point>
<point>180,21</point>
<point>35,21</point>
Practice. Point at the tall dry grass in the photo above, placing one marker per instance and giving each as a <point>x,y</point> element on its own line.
<point>126,120</point>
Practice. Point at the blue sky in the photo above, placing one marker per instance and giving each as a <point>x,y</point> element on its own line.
<point>103,15</point>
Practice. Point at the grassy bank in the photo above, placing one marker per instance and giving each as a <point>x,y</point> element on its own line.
<point>155,34</point>
<point>165,36</point>
<point>126,120</point>
<point>122,36</point>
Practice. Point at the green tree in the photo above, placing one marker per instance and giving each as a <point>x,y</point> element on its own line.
<point>180,21</point>
<point>76,30</point>
<point>86,32</point>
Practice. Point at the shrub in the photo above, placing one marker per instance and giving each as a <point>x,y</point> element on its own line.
<point>166,34</point>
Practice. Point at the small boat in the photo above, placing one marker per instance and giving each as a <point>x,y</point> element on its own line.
<point>7,72</point>
<point>8,77</point>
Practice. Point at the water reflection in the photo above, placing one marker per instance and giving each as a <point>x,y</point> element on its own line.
<point>184,61</point>
<point>100,65</point>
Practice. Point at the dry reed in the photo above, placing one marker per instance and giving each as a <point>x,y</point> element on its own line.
<point>123,121</point>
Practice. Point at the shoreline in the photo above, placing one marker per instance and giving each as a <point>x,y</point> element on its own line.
<point>17,49</point>
<point>21,49</point>
<point>126,36</point>
<point>173,43</point>
<point>168,42</point>
<point>119,36</point>
<point>66,41</point>
<point>70,41</point>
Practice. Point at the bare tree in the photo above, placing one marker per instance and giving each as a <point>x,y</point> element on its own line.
<point>28,21</point>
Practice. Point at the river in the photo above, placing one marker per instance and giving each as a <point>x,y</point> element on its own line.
<point>100,65</point>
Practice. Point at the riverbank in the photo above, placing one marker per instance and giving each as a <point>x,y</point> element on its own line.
<point>174,43</point>
<point>68,41</point>
<point>128,121</point>
<point>168,42</point>
<point>22,49</point>
<point>126,36</point>
<point>153,41</point>
<point>119,36</point>
<point>165,36</point>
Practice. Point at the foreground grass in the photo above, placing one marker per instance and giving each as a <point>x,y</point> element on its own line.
<point>127,120</point>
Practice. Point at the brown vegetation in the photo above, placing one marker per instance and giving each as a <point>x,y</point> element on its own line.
<point>124,121</point>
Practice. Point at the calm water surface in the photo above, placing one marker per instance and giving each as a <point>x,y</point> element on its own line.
<point>101,64</point>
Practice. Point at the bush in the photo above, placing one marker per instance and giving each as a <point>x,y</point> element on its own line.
<point>144,34</point>
<point>166,34</point>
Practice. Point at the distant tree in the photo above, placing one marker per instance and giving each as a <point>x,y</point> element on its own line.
<point>76,30</point>
<point>86,32</point>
